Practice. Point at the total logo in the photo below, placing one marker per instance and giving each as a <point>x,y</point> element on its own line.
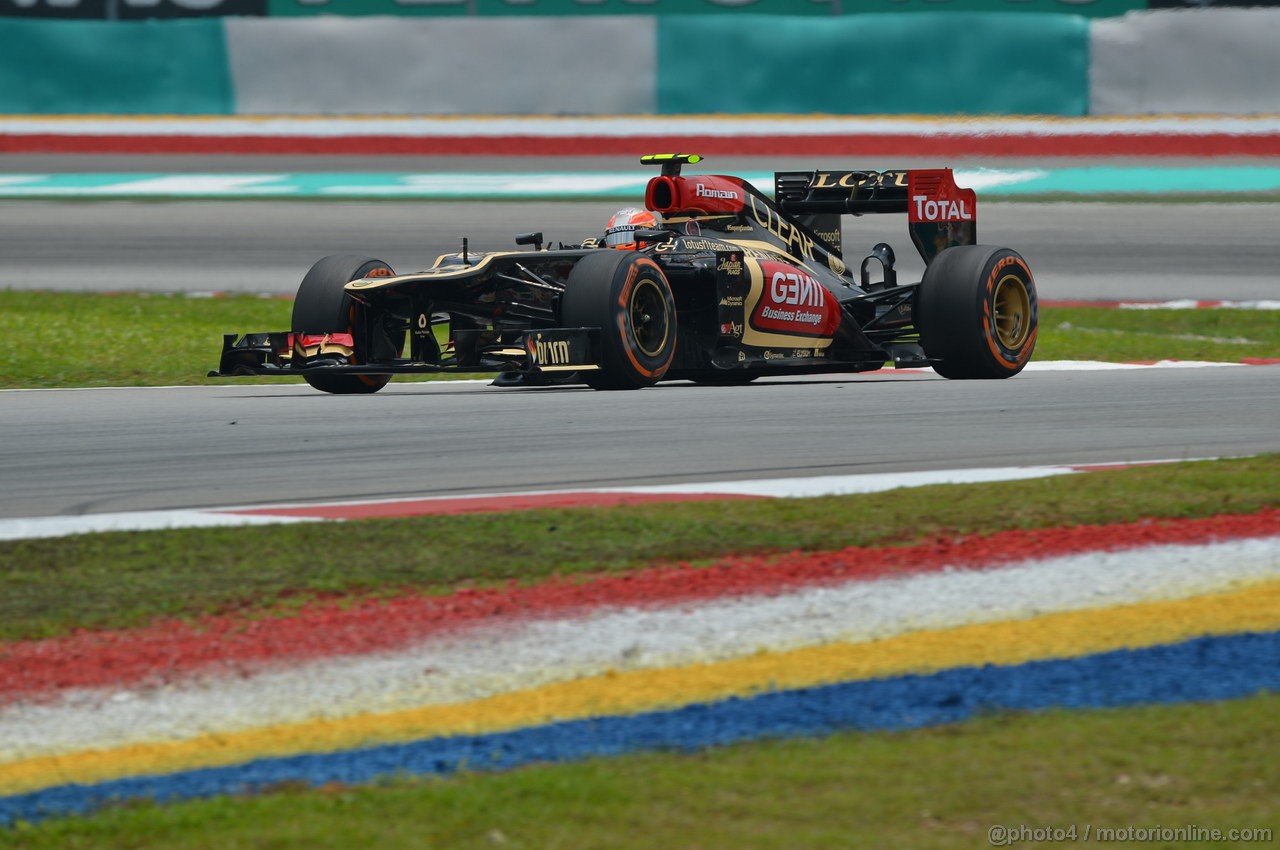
<point>711,192</point>
<point>927,209</point>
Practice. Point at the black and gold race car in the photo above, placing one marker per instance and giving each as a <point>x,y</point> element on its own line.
<point>729,286</point>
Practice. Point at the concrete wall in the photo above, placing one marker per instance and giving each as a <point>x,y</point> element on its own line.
<point>412,66</point>
<point>1188,61</point>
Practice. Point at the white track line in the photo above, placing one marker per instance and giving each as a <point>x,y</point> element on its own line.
<point>830,485</point>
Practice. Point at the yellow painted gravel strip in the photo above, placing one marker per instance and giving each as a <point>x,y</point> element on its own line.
<point>1065,635</point>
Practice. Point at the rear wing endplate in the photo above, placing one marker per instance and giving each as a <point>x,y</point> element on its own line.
<point>939,213</point>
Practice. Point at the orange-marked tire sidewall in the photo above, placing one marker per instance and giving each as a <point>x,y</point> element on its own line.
<point>1011,359</point>
<point>636,273</point>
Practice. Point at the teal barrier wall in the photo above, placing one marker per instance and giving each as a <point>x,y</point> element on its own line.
<point>957,63</point>
<point>942,63</point>
<point>95,67</point>
<point>286,8</point>
<point>828,8</point>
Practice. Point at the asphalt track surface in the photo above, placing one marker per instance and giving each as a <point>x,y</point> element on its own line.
<point>1077,250</point>
<point>92,451</point>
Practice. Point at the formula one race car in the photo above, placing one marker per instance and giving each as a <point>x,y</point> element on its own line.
<point>727,286</point>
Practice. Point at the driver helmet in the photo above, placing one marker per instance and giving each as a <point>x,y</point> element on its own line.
<point>620,231</point>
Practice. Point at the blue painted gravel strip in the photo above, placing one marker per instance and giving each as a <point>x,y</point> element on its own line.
<point>1204,669</point>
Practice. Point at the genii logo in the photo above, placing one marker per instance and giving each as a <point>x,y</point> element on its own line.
<point>794,302</point>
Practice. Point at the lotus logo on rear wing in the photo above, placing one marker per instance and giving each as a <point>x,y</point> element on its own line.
<point>939,213</point>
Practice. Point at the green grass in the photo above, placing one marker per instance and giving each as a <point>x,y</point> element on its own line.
<point>56,339</point>
<point>60,339</point>
<point>1089,333</point>
<point>929,789</point>
<point>50,586</point>
<point>1206,765</point>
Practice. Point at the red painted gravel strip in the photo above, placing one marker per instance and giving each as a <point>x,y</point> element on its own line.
<point>886,145</point>
<point>486,504</point>
<point>170,649</point>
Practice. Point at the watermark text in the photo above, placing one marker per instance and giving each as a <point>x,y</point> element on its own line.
<point>1005,835</point>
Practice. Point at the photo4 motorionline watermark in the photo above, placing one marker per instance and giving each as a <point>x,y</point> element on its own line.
<point>1002,835</point>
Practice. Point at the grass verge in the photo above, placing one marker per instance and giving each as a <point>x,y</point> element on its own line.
<point>58,339</point>
<point>931,789</point>
<point>1090,333</point>
<point>51,586</point>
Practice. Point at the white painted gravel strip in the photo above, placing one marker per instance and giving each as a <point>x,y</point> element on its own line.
<point>818,485</point>
<point>494,658</point>
<point>827,485</point>
<point>1101,366</point>
<point>1192,304</point>
<point>61,526</point>
<point>1034,365</point>
<point>843,485</point>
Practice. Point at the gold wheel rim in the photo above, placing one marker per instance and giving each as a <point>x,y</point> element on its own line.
<point>1012,308</point>
<point>648,314</point>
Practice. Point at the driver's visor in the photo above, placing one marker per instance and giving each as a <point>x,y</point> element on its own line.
<point>616,236</point>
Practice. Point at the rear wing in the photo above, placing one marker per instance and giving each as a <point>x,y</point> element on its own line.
<point>939,213</point>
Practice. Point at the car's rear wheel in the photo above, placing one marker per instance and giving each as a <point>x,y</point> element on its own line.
<point>976,312</point>
<point>323,306</point>
<point>626,295</point>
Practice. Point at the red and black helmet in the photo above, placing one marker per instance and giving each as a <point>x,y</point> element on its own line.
<point>621,230</point>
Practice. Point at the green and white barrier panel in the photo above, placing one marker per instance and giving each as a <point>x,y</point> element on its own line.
<point>878,63</point>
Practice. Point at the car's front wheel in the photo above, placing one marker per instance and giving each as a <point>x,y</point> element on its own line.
<point>976,312</point>
<point>323,306</point>
<point>626,295</point>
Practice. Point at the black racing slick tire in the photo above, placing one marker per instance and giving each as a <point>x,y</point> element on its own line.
<point>323,306</point>
<point>625,295</point>
<point>976,312</point>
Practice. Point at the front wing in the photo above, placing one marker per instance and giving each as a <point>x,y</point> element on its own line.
<point>547,350</point>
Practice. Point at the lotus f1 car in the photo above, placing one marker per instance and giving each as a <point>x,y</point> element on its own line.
<point>732,285</point>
